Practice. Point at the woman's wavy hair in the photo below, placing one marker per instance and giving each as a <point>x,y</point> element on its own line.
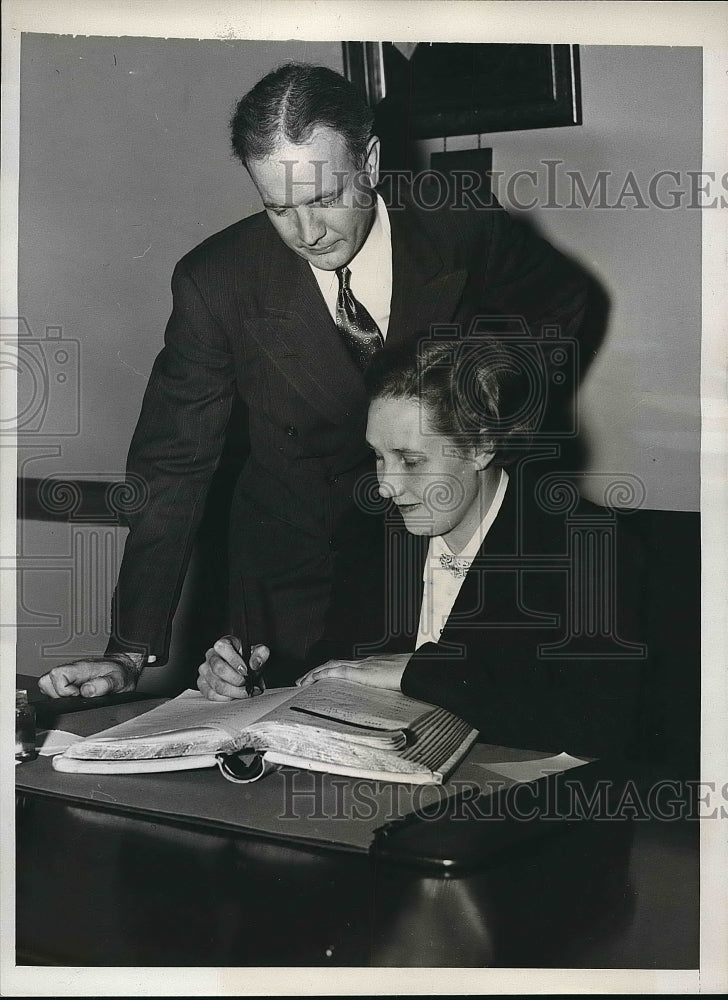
<point>474,391</point>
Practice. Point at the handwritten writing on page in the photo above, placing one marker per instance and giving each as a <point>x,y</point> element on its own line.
<point>360,704</point>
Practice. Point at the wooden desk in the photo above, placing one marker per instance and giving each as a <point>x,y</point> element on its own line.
<point>100,884</point>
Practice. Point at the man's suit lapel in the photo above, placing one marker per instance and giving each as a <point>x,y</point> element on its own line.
<point>296,331</point>
<point>424,290</point>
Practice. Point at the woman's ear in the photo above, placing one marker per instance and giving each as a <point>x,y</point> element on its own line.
<point>483,453</point>
<point>483,459</point>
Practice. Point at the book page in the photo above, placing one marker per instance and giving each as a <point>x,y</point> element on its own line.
<point>268,731</point>
<point>186,724</point>
<point>360,704</point>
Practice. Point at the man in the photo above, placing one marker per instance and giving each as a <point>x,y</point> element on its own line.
<point>264,309</point>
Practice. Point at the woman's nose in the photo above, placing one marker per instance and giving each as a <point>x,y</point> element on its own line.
<point>390,485</point>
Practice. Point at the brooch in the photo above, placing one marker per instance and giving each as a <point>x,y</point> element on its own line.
<point>455,565</point>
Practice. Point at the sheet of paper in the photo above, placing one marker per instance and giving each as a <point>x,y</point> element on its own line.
<point>49,742</point>
<point>531,770</point>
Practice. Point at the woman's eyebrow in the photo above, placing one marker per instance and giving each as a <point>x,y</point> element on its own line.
<point>397,451</point>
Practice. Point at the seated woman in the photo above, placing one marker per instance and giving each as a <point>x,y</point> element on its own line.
<point>515,604</point>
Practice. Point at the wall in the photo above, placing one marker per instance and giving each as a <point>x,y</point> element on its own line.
<point>640,401</point>
<point>125,165</point>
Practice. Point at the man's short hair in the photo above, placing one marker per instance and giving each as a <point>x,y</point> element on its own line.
<point>291,102</point>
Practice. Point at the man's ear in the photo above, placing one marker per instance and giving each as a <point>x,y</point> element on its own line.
<point>371,161</point>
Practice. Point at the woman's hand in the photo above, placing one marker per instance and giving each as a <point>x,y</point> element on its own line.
<point>377,671</point>
<point>222,676</point>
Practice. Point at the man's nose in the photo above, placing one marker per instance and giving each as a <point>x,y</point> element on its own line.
<point>311,226</point>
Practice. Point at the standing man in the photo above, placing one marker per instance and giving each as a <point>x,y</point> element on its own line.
<point>285,308</point>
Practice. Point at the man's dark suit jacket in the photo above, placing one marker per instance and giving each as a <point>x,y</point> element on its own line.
<point>543,648</point>
<point>248,318</point>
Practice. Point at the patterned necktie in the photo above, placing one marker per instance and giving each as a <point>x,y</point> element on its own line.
<point>361,334</point>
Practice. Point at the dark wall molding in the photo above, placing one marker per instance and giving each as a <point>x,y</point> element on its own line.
<point>94,501</point>
<point>80,501</point>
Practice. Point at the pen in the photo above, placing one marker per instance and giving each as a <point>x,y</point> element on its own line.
<point>244,642</point>
<point>252,675</point>
<point>253,678</point>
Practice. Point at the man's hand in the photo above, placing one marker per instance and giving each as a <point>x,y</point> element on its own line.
<point>377,671</point>
<point>94,677</point>
<point>222,676</point>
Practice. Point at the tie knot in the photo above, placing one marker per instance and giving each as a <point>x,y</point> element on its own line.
<point>344,276</point>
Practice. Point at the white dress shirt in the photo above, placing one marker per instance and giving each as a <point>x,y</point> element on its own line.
<point>371,273</point>
<point>442,586</point>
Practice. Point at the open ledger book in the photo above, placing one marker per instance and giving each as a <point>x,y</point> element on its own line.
<point>332,725</point>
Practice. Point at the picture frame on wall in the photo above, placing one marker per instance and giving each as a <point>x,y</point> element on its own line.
<point>448,89</point>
